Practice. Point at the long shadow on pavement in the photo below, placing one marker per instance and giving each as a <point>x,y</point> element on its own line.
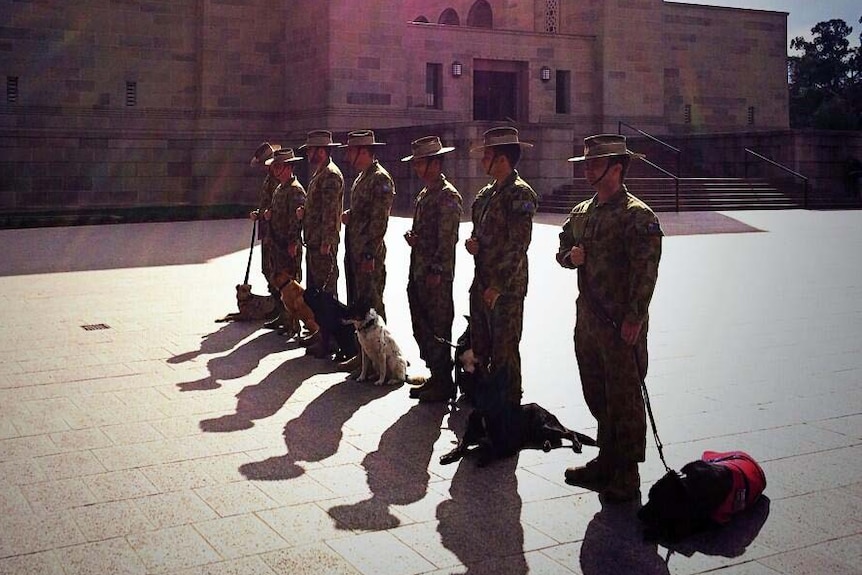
<point>481,522</point>
<point>316,433</point>
<point>221,340</point>
<point>397,472</point>
<point>238,363</point>
<point>613,543</point>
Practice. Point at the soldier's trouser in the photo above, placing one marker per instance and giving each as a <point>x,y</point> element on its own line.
<point>283,261</point>
<point>432,312</point>
<point>322,269</point>
<point>611,383</point>
<point>496,335</point>
<point>366,287</point>
<point>266,262</point>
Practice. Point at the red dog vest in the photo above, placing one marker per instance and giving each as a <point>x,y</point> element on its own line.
<point>749,481</point>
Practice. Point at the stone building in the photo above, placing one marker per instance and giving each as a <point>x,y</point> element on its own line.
<point>160,102</point>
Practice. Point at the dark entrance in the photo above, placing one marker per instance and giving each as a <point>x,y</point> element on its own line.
<point>495,95</point>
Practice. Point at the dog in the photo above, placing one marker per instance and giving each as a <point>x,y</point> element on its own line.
<point>292,298</point>
<point>380,352</point>
<point>251,306</point>
<point>332,318</point>
<point>500,435</point>
<point>705,493</point>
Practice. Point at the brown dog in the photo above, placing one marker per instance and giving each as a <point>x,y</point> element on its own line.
<point>252,307</point>
<point>294,304</point>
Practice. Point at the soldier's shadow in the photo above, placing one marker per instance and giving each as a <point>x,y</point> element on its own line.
<point>240,362</point>
<point>264,399</point>
<point>316,434</point>
<point>397,472</point>
<point>613,543</point>
<point>481,522</point>
<point>224,338</point>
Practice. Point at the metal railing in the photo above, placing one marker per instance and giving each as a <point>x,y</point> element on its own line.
<point>676,151</point>
<point>750,152</point>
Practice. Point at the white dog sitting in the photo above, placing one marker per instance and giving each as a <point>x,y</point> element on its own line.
<point>380,350</point>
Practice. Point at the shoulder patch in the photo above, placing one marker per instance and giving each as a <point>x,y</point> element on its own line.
<point>523,206</point>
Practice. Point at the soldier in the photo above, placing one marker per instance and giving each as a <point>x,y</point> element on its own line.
<point>502,217</point>
<point>284,226</point>
<point>432,239</point>
<point>321,223</point>
<point>371,197</point>
<point>614,241</point>
<point>261,155</point>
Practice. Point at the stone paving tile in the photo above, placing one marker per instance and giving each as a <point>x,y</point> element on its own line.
<point>242,566</point>
<point>110,520</point>
<point>108,556</point>
<point>303,524</point>
<point>235,498</point>
<point>45,563</point>
<point>174,509</point>
<point>380,554</point>
<point>240,535</point>
<point>309,560</point>
<point>172,549</point>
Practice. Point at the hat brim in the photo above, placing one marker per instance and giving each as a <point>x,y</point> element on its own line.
<point>440,152</point>
<point>293,160</point>
<point>523,145</point>
<point>362,145</point>
<point>332,145</point>
<point>628,153</point>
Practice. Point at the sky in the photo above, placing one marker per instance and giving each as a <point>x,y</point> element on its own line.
<point>803,14</point>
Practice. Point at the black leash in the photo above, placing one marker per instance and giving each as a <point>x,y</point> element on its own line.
<point>599,310</point>
<point>250,251</point>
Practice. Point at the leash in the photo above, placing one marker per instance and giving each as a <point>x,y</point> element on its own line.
<point>250,251</point>
<point>600,311</point>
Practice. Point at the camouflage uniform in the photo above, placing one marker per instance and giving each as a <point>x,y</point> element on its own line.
<point>285,228</point>
<point>322,225</point>
<point>435,230</point>
<point>264,202</point>
<point>622,240</point>
<point>371,198</point>
<point>503,225</point>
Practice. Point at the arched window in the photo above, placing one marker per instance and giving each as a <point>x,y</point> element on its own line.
<point>480,15</point>
<point>421,19</point>
<point>449,17</point>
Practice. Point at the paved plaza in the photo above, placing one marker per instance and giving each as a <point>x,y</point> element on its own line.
<point>139,436</point>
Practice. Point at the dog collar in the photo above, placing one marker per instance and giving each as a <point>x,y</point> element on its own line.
<point>285,284</point>
<point>366,325</point>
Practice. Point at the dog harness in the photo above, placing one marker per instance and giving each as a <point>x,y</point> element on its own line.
<point>749,481</point>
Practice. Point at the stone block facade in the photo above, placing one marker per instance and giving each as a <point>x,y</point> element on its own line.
<point>158,102</point>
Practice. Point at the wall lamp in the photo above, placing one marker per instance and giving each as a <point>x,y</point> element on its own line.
<point>457,69</point>
<point>545,74</point>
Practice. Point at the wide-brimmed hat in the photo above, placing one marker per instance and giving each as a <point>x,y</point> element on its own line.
<point>283,156</point>
<point>319,139</point>
<point>361,138</point>
<point>427,147</point>
<point>263,153</point>
<point>605,146</point>
<point>505,136</point>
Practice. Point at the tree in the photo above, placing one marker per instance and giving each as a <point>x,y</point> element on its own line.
<point>826,79</point>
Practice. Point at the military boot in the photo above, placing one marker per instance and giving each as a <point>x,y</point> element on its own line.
<point>439,388</point>
<point>595,475</point>
<point>625,483</point>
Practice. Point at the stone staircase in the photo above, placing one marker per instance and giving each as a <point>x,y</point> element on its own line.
<point>695,194</point>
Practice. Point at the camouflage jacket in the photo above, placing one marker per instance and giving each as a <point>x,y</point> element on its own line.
<point>284,226</point>
<point>323,205</point>
<point>436,216</point>
<point>264,201</point>
<point>503,224</point>
<point>622,240</point>
<point>371,198</point>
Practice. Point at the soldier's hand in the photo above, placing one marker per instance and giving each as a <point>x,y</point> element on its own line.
<point>472,245</point>
<point>433,280</point>
<point>324,249</point>
<point>267,215</point>
<point>630,332</point>
<point>300,211</point>
<point>577,255</point>
<point>254,214</point>
<point>345,217</point>
<point>410,238</point>
<point>490,296</point>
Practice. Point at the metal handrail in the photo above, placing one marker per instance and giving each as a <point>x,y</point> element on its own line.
<point>668,174</point>
<point>673,149</point>
<point>782,167</point>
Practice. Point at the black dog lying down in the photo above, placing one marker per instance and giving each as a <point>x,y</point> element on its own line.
<point>331,315</point>
<point>504,433</point>
<point>704,494</point>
